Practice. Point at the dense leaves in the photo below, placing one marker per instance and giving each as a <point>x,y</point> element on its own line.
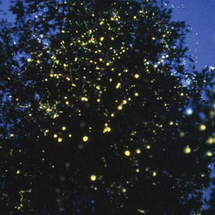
<point>107,119</point>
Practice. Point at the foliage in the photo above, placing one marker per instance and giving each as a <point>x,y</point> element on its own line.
<point>107,119</point>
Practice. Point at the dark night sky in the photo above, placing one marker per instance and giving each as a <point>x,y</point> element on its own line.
<point>200,15</point>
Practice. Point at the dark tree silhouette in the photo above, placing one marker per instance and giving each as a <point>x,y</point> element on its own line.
<point>102,123</point>
<point>210,203</point>
<point>210,209</point>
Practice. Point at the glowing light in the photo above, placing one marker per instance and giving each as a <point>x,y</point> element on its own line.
<point>189,111</point>
<point>93,177</point>
<point>154,174</point>
<point>120,107</point>
<point>148,147</point>
<point>64,128</point>
<point>187,150</point>
<point>102,38</point>
<point>84,99</point>
<point>85,138</point>
<point>182,134</point>
<point>55,135</point>
<point>137,170</point>
<point>209,153</point>
<point>118,85</point>
<point>136,94</point>
<point>107,129</point>
<point>60,140</point>
<point>70,135</point>
<point>136,76</point>
<point>124,102</point>
<point>127,153</point>
<point>18,172</point>
<point>202,127</point>
<point>55,116</point>
<point>11,135</point>
<point>48,110</point>
<point>211,140</point>
<point>138,151</point>
<point>141,211</point>
<point>124,190</point>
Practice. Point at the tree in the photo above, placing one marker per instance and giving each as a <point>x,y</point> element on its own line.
<point>103,124</point>
<point>209,202</point>
<point>6,107</point>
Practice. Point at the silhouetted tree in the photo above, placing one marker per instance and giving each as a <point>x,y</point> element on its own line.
<point>108,120</point>
<point>209,202</point>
